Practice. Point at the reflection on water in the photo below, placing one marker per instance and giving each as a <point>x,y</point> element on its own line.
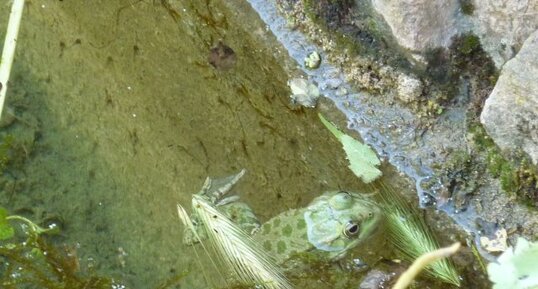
<point>120,115</point>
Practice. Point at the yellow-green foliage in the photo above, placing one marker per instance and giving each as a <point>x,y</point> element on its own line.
<point>363,161</point>
<point>412,237</point>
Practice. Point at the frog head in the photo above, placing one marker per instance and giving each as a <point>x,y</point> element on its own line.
<point>338,221</point>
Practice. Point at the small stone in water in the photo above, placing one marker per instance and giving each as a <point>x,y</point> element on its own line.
<point>303,92</point>
<point>312,60</point>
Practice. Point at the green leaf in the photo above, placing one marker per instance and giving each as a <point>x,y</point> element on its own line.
<point>6,231</point>
<point>337,133</point>
<point>516,267</point>
<point>363,161</point>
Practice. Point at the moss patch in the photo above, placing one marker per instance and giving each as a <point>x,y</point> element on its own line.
<point>467,7</point>
<point>517,176</point>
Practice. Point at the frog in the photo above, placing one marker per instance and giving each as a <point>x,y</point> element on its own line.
<point>330,225</point>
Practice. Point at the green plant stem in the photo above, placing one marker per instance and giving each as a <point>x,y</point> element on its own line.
<point>33,226</point>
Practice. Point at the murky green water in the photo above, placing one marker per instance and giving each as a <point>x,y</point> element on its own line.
<point>120,116</point>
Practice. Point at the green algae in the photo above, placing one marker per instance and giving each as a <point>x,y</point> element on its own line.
<point>516,174</point>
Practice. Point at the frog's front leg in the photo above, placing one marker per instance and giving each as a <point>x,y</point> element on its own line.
<point>242,215</point>
<point>215,190</point>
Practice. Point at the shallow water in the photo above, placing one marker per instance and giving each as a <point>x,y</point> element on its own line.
<point>120,116</point>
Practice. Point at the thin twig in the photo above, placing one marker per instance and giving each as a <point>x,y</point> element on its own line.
<point>424,260</point>
<point>9,48</point>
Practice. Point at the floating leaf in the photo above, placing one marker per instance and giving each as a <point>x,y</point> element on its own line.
<point>362,159</point>
<point>6,231</point>
<point>516,267</point>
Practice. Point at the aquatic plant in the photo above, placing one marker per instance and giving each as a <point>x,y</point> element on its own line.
<point>29,261</point>
<point>408,231</point>
<point>33,262</point>
<point>412,237</point>
<point>234,248</point>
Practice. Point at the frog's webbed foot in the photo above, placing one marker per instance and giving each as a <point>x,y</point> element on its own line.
<point>214,190</point>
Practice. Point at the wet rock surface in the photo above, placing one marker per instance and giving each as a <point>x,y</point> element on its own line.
<point>510,114</point>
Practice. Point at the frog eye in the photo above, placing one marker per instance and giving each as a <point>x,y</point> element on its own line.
<point>345,194</point>
<point>351,229</point>
<point>341,200</point>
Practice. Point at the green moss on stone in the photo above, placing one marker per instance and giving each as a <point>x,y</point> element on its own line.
<point>469,43</point>
<point>467,7</point>
<point>516,177</point>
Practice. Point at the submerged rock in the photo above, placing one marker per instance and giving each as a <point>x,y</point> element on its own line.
<point>510,114</point>
<point>304,93</point>
<point>376,279</point>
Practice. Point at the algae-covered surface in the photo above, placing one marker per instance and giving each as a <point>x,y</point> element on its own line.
<point>121,109</point>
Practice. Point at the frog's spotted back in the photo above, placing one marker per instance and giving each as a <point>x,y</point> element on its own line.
<point>284,235</point>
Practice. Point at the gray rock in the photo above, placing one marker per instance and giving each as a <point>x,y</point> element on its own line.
<point>420,24</point>
<point>503,25</point>
<point>510,113</point>
<point>409,88</point>
<point>375,279</point>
